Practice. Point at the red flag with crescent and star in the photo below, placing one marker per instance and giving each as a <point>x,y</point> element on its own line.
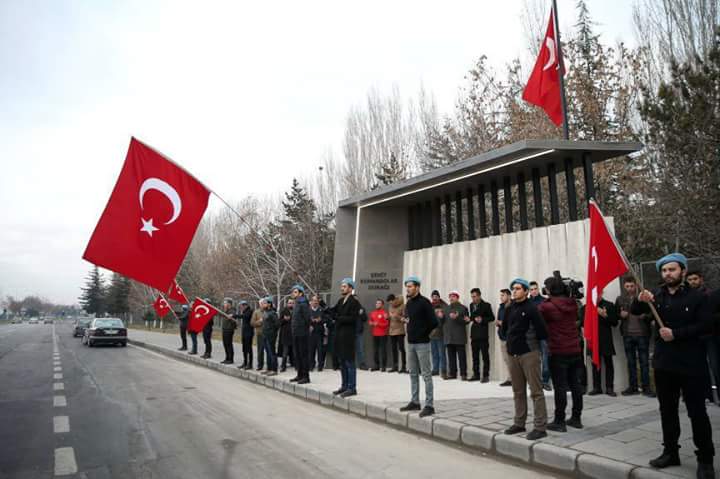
<point>606,262</point>
<point>150,220</point>
<point>543,86</point>
<point>177,294</point>
<point>162,308</point>
<point>200,313</point>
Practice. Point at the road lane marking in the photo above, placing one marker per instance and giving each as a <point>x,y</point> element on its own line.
<point>56,363</point>
<point>57,369</point>
<point>65,461</point>
<point>57,376</point>
<point>58,387</point>
<point>59,401</point>
<point>61,424</point>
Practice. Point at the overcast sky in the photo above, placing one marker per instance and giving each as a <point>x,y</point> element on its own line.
<point>237,92</point>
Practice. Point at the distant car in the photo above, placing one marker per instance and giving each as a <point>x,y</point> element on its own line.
<point>34,321</point>
<point>16,321</point>
<point>47,321</point>
<point>80,326</point>
<point>105,331</point>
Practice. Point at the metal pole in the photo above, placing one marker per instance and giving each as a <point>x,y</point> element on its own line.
<point>566,132</point>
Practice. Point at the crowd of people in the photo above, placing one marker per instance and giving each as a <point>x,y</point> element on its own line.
<point>540,336</point>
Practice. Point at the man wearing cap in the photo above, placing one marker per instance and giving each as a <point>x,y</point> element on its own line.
<point>300,325</point>
<point>229,324</point>
<point>455,335</point>
<point>183,323</point>
<point>481,316</point>
<point>246,333</point>
<point>270,327</point>
<point>524,328</point>
<point>421,322</point>
<point>679,361</point>
<point>347,315</point>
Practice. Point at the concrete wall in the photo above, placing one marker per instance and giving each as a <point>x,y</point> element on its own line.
<point>491,263</point>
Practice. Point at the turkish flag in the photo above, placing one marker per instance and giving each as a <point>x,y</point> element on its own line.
<point>606,262</point>
<point>177,294</point>
<point>543,86</point>
<point>150,220</point>
<point>200,313</point>
<point>162,308</point>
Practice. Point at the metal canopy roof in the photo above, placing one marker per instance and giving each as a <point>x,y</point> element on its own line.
<point>507,161</point>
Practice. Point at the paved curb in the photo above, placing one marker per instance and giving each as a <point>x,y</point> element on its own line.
<point>517,448</point>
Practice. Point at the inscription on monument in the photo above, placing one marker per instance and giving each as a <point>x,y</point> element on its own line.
<point>379,281</point>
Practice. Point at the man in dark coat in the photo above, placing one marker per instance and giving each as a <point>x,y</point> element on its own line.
<point>246,332</point>
<point>183,323</point>
<point>207,336</point>
<point>229,325</point>
<point>300,325</point>
<point>347,316</point>
<point>285,348</point>
<point>270,327</point>
<point>608,318</point>
<point>679,362</point>
<point>317,334</point>
<point>481,316</point>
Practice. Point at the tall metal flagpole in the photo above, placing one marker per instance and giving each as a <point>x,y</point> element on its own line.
<point>558,48</point>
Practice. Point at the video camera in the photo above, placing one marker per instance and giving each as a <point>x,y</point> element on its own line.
<point>575,289</point>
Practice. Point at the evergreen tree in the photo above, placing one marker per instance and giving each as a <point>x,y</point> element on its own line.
<point>299,208</point>
<point>118,294</point>
<point>93,299</point>
<point>390,172</point>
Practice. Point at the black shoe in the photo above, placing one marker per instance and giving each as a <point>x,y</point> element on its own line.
<point>382,370</point>
<point>295,379</point>
<point>666,459</point>
<point>403,371</point>
<point>339,391</point>
<point>574,422</point>
<point>485,379</point>
<point>611,393</point>
<point>411,406</point>
<point>393,370</point>
<point>506,383</point>
<point>224,362</point>
<point>535,434</point>
<point>474,378</point>
<point>436,373</point>
<point>348,393</point>
<point>192,352</point>
<point>514,430</point>
<point>427,411</point>
<point>282,369</point>
<point>630,391</point>
<point>372,370</point>
<point>547,387</point>
<point>451,376</point>
<point>595,392</point>
<point>363,367</point>
<point>182,348</point>
<point>557,426</point>
<point>705,471</point>
<point>304,381</point>
<point>320,370</point>
<point>648,393</point>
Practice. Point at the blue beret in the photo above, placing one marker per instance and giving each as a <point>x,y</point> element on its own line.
<point>412,279</point>
<point>268,299</point>
<point>522,282</point>
<point>349,282</point>
<point>299,287</point>
<point>671,258</point>
<point>243,302</point>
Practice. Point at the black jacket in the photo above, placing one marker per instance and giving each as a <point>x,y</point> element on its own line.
<point>228,324</point>
<point>301,318</point>
<point>605,325</point>
<point>270,326</point>
<point>688,313</point>
<point>482,310</point>
<point>422,320</point>
<point>347,315</point>
<point>285,327</point>
<point>317,322</point>
<point>247,329</point>
<point>183,316</point>
<point>523,327</point>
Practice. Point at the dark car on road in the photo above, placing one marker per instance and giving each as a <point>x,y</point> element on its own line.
<point>80,326</point>
<point>105,331</point>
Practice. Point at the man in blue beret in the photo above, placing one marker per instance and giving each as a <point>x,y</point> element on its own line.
<point>679,362</point>
<point>300,325</point>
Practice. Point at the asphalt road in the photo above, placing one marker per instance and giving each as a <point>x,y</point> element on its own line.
<point>130,413</point>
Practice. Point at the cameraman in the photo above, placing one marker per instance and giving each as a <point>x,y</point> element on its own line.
<point>560,313</point>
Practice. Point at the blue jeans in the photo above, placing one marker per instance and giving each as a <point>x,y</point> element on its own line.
<point>269,344</point>
<point>637,347</point>
<point>360,349</point>
<point>348,373</point>
<point>545,362</point>
<point>419,362</point>
<point>439,359</point>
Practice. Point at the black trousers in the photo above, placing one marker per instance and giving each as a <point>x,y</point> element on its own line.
<point>564,369</point>
<point>456,352</point>
<point>380,351</point>
<point>317,351</point>
<point>227,338</point>
<point>287,355</point>
<point>607,362</point>
<point>247,350</point>
<point>183,335</point>
<point>260,345</point>
<point>397,347</point>
<point>302,355</point>
<point>207,339</point>
<point>481,346</point>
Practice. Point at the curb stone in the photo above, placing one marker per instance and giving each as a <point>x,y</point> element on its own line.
<point>479,438</point>
<point>513,446</point>
<point>326,399</point>
<point>423,425</point>
<point>375,411</point>
<point>312,394</point>
<point>602,467</point>
<point>555,457</point>
<point>396,417</point>
<point>341,403</point>
<point>358,407</point>
<point>447,430</point>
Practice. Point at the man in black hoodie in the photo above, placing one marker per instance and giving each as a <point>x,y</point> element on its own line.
<point>421,322</point>
<point>481,316</point>
<point>246,333</point>
<point>300,325</point>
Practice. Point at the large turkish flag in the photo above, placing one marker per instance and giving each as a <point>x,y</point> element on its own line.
<point>150,220</point>
<point>543,86</point>
<point>606,261</point>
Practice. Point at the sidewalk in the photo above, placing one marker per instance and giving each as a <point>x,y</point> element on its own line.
<point>621,434</point>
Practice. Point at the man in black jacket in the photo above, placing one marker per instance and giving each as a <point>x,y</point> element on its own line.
<point>270,327</point>
<point>300,325</point>
<point>679,362</point>
<point>481,316</point>
<point>246,333</point>
<point>421,322</point>
<point>207,336</point>
<point>524,328</point>
<point>347,315</point>
<point>183,323</point>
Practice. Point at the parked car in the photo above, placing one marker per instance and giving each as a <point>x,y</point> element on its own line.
<point>47,321</point>
<point>105,331</point>
<point>16,320</point>
<point>34,321</point>
<point>80,326</point>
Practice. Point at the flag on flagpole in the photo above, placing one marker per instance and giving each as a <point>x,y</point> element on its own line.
<point>162,308</point>
<point>176,293</point>
<point>543,88</point>
<point>200,313</point>
<point>606,262</point>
